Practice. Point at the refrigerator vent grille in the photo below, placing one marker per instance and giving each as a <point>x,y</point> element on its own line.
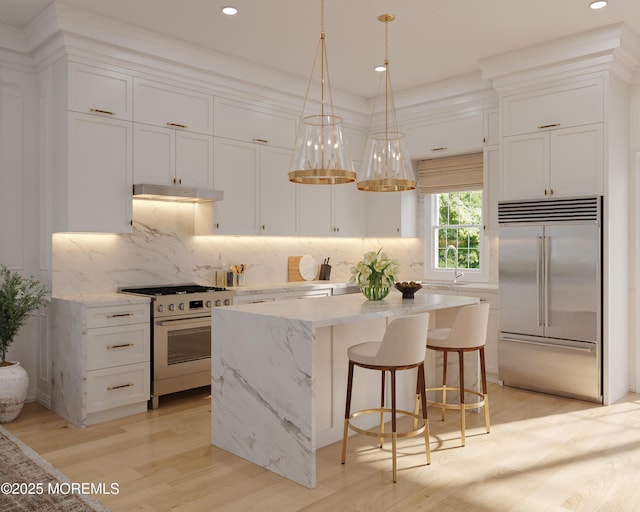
<point>545,210</point>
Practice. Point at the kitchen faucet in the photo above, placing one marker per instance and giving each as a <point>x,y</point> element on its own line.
<point>456,274</point>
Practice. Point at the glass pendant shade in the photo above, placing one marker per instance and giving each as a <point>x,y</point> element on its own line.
<point>321,155</point>
<point>386,165</point>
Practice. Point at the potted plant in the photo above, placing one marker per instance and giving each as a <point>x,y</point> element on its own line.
<point>375,274</point>
<point>19,298</point>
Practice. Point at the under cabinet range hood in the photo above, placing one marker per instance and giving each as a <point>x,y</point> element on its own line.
<point>175,193</point>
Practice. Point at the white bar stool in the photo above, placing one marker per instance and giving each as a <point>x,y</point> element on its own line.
<point>467,334</point>
<point>402,348</point>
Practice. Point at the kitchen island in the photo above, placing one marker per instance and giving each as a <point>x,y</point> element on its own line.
<point>279,373</point>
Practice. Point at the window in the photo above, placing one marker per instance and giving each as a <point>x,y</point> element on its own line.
<point>457,228</point>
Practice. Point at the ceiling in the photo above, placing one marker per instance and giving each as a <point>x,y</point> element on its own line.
<point>429,41</point>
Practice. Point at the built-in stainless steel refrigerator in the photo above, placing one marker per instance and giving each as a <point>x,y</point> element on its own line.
<point>550,284</point>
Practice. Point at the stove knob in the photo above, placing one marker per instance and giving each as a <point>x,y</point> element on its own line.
<point>160,308</point>
<point>208,304</point>
<point>171,307</point>
<point>227,302</point>
<point>218,302</point>
<point>181,306</point>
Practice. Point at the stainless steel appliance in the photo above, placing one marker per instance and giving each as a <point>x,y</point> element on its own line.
<point>550,283</point>
<point>181,335</point>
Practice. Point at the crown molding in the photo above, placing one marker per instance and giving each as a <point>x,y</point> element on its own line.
<point>614,48</point>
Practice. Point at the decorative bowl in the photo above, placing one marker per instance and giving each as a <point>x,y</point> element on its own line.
<point>407,288</point>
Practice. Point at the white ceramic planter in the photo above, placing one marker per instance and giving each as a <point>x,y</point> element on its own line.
<point>14,382</point>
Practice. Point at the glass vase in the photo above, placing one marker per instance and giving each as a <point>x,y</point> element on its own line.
<point>375,292</point>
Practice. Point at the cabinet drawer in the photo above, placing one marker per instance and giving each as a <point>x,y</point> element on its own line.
<point>572,104</point>
<point>173,107</point>
<point>100,91</point>
<point>115,387</point>
<point>116,346</point>
<point>117,315</point>
<point>243,121</point>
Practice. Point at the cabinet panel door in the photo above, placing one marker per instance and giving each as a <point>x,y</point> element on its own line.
<point>525,166</point>
<point>194,159</point>
<point>95,90</point>
<point>384,210</point>
<point>166,105</point>
<point>99,176</point>
<point>235,173</point>
<point>314,210</point>
<point>453,135</point>
<point>250,123</point>
<point>277,193</point>
<point>349,210</point>
<point>577,103</point>
<point>154,156</point>
<point>577,160</point>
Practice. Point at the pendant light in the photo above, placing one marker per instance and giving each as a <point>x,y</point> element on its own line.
<point>321,154</point>
<point>386,165</point>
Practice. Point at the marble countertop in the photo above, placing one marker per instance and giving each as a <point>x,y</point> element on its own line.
<point>105,299</point>
<point>288,286</point>
<point>326,311</point>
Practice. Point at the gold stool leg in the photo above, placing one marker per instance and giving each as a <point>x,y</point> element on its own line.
<point>444,380</point>
<point>347,413</point>
<point>394,436</point>
<point>483,372</point>
<point>462,410</point>
<point>423,397</point>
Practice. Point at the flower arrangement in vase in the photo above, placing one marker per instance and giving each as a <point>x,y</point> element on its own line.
<point>375,274</point>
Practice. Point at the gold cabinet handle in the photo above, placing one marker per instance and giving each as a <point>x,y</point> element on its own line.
<point>177,125</point>
<point>118,315</point>
<point>120,386</point>
<point>122,345</point>
<point>100,111</point>
<point>261,141</point>
<point>442,148</point>
<point>554,125</point>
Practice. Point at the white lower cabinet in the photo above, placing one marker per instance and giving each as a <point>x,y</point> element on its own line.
<point>100,362</point>
<point>270,296</point>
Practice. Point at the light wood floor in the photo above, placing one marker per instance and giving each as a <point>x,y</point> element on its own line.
<point>543,454</point>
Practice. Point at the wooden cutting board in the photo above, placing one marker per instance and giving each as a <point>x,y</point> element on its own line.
<point>294,268</point>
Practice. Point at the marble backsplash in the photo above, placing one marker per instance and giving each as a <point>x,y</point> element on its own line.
<point>163,250</point>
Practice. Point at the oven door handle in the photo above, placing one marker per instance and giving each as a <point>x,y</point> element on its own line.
<point>182,321</point>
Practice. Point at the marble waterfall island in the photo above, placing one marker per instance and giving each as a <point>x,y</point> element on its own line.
<point>279,373</point>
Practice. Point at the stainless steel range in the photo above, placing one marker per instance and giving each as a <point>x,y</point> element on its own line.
<point>181,335</point>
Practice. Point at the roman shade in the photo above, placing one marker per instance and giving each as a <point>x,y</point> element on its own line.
<point>450,174</point>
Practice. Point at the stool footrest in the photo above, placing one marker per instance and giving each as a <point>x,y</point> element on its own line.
<point>457,405</point>
<point>386,435</point>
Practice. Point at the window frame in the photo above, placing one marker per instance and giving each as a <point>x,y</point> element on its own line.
<point>431,272</point>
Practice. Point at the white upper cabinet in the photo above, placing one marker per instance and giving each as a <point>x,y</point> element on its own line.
<point>555,141</point>
<point>392,214</point>
<point>99,91</point>
<point>95,193</point>
<point>349,210</point>
<point>491,127</point>
<point>258,198</point>
<point>575,103</point>
<point>454,134</point>
<point>172,135</point>
<point>167,156</point>
<point>161,104</point>
<point>253,123</point>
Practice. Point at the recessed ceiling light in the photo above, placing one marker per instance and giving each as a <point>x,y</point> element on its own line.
<point>380,68</point>
<point>229,11</point>
<point>598,4</point>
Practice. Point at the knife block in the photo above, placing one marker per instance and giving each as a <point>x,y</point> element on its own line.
<point>325,272</point>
